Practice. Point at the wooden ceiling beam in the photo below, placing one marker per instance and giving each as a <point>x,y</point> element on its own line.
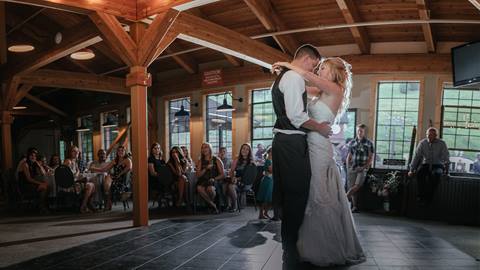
<point>11,91</point>
<point>232,60</point>
<point>116,37</point>
<point>80,65</point>
<point>77,38</point>
<point>3,35</point>
<point>185,62</point>
<point>105,50</point>
<point>147,8</point>
<point>351,15</point>
<point>230,76</point>
<point>219,38</point>
<point>21,93</point>
<point>267,15</point>
<point>361,64</point>
<point>157,37</point>
<point>423,13</point>
<point>19,25</point>
<point>121,8</point>
<point>46,105</point>
<point>75,80</point>
<point>475,3</point>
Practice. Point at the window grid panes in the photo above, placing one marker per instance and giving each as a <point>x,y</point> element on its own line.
<point>109,133</point>
<point>262,118</point>
<point>85,138</point>
<point>219,124</point>
<point>460,128</point>
<point>397,114</point>
<point>179,126</point>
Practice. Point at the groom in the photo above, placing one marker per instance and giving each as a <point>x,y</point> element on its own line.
<point>291,163</point>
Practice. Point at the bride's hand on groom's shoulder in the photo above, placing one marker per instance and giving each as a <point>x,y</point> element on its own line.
<point>277,67</point>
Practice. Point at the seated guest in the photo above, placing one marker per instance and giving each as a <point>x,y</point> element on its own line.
<point>81,184</point>
<point>30,178</point>
<point>476,165</point>
<point>54,161</point>
<point>430,160</point>
<point>190,165</point>
<point>100,162</point>
<point>42,160</point>
<point>209,170</point>
<point>177,166</point>
<point>244,158</point>
<point>116,182</point>
<point>265,190</point>
<point>222,155</point>
<point>155,162</point>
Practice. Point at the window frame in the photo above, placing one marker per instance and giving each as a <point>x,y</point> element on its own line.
<point>251,114</point>
<point>169,137</point>
<point>89,155</point>
<point>373,114</point>
<point>230,151</point>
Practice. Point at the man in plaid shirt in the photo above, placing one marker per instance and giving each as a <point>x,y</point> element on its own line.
<point>359,159</point>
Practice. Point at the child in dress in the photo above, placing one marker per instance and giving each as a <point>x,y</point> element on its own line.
<point>264,195</point>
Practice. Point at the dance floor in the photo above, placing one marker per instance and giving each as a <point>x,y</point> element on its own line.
<point>235,244</point>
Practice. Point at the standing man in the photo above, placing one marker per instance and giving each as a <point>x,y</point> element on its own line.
<point>429,162</point>
<point>291,163</point>
<point>359,159</point>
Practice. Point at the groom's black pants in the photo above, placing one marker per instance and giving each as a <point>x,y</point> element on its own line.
<point>291,176</point>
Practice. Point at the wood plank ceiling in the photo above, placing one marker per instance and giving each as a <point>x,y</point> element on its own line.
<point>38,26</point>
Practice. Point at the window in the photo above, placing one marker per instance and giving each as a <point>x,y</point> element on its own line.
<point>351,124</point>
<point>219,124</point>
<point>179,126</point>
<point>397,113</point>
<point>85,138</point>
<point>460,128</point>
<point>62,150</point>
<point>109,130</point>
<point>263,117</point>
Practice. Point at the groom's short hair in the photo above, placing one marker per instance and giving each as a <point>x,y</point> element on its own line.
<point>307,49</point>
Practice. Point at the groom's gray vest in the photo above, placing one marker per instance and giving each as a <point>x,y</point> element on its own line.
<point>278,100</point>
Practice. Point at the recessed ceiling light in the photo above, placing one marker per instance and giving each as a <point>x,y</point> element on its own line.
<point>19,48</point>
<point>19,107</point>
<point>83,54</point>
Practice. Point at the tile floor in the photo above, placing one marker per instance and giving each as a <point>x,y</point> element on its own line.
<point>240,243</point>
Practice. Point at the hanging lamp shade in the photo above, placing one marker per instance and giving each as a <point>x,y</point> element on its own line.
<point>182,112</point>
<point>225,107</point>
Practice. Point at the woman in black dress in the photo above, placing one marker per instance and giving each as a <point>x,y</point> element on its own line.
<point>209,170</point>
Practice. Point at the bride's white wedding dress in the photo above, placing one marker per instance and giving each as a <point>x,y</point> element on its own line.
<point>327,236</point>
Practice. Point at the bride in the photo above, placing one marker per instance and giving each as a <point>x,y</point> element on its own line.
<point>327,236</point>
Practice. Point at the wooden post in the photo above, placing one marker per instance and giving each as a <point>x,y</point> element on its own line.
<point>7,155</point>
<point>138,80</point>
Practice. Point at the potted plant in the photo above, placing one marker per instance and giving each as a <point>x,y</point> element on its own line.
<point>385,186</point>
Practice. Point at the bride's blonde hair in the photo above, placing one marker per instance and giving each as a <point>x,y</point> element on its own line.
<point>342,75</point>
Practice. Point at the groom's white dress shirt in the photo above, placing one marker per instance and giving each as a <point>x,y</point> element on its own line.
<point>292,85</point>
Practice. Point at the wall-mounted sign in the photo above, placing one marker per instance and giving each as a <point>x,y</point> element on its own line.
<point>394,162</point>
<point>212,78</point>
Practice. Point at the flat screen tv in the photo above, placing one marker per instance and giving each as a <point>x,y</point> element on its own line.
<point>466,65</point>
